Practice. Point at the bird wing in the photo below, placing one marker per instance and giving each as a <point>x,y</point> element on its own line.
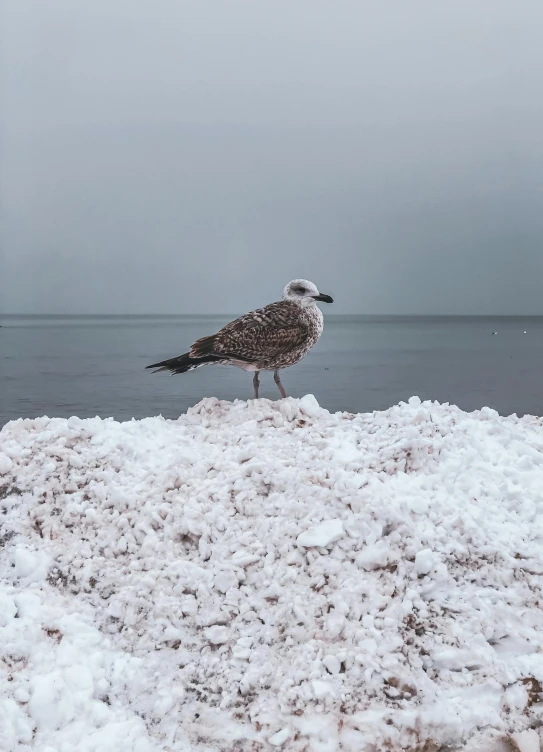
<point>258,335</point>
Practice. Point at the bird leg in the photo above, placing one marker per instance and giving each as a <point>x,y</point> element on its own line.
<point>256,384</point>
<point>278,382</point>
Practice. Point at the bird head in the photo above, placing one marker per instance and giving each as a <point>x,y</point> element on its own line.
<point>304,293</point>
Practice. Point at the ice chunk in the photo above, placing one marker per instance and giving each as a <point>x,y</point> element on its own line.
<point>321,535</point>
<point>374,556</point>
<point>21,695</point>
<point>217,635</point>
<point>526,741</point>
<point>425,561</point>
<point>30,565</point>
<point>8,609</point>
<point>516,697</point>
<point>280,737</point>
<point>310,406</point>
<point>457,658</point>
<point>322,688</point>
<point>332,663</point>
<point>50,704</point>
<point>225,580</point>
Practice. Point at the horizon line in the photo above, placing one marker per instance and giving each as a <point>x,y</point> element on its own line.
<point>224,315</point>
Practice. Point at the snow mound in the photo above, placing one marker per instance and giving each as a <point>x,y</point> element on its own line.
<point>266,575</point>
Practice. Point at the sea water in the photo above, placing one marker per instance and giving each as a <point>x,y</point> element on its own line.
<point>87,366</point>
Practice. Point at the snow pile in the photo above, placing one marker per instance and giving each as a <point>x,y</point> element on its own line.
<point>265,575</point>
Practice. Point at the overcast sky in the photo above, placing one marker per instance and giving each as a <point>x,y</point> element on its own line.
<point>174,156</point>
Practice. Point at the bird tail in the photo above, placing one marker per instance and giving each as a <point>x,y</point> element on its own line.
<point>183,363</point>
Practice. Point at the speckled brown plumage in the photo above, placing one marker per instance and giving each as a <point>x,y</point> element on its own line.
<point>276,336</point>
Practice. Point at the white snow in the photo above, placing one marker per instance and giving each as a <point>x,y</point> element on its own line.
<point>263,575</point>
<point>5,464</point>
<point>31,566</point>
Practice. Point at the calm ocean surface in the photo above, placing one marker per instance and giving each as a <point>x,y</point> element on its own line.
<point>86,366</point>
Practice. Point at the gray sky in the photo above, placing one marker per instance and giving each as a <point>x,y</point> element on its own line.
<point>187,155</point>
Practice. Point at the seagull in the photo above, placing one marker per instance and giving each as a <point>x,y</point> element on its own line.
<point>268,339</point>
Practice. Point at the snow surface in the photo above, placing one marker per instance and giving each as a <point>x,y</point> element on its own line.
<point>266,575</point>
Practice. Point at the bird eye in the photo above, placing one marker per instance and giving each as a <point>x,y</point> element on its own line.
<point>300,289</point>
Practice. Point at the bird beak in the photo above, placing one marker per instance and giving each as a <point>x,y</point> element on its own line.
<point>323,298</point>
